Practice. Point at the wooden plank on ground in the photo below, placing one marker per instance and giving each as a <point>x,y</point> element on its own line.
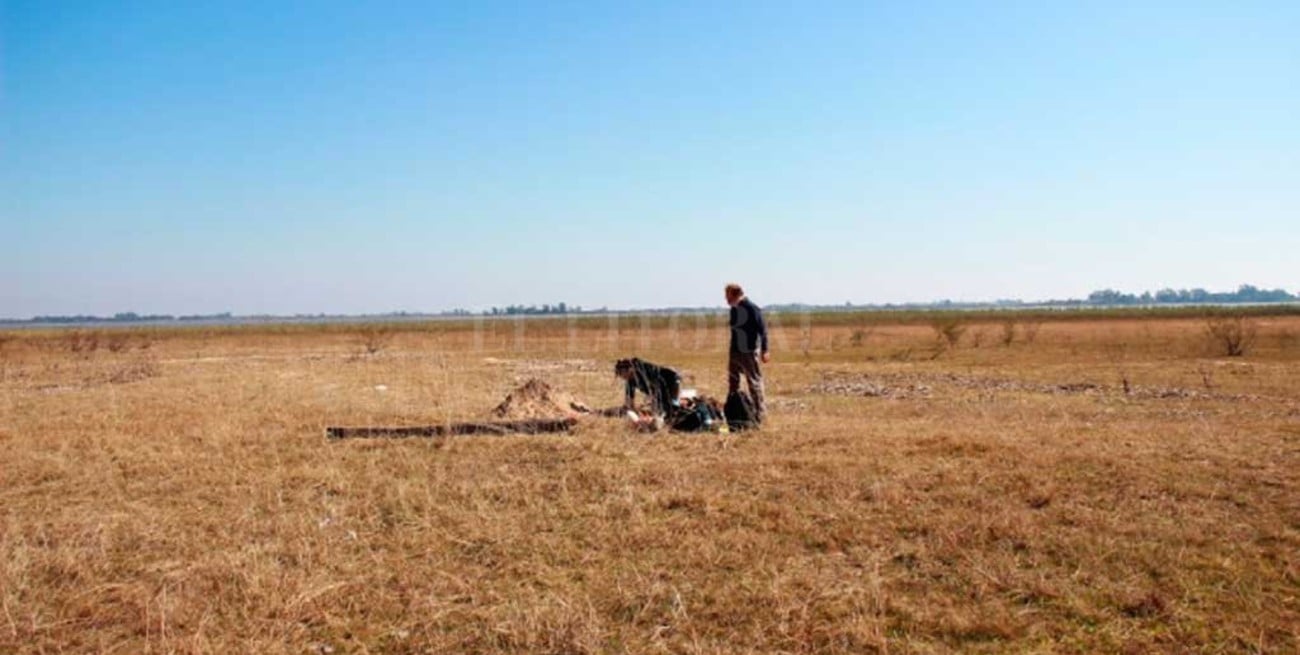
<point>523,426</point>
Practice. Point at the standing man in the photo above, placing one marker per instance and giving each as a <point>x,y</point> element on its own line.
<point>749,346</point>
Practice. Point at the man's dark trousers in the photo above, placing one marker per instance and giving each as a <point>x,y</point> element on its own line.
<point>746,364</point>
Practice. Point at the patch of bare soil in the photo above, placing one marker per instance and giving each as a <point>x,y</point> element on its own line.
<point>847,384</point>
<point>788,405</point>
<point>89,376</point>
<point>905,385</point>
<point>537,399</point>
<point>133,371</point>
<point>542,366</point>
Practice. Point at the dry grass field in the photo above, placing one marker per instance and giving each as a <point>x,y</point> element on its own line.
<point>1098,486</point>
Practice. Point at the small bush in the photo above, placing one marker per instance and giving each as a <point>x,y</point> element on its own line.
<point>117,342</point>
<point>374,338</point>
<point>134,371</point>
<point>1118,355</point>
<point>860,336</point>
<point>80,342</point>
<point>902,355</point>
<point>1008,336</point>
<point>948,330</point>
<point>1030,330</point>
<point>1231,334</point>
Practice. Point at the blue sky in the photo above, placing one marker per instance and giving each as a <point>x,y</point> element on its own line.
<point>366,157</point>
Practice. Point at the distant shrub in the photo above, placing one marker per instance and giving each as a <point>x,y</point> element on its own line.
<point>373,338</point>
<point>902,355</point>
<point>859,336</point>
<point>948,330</point>
<point>81,342</point>
<point>1008,335</point>
<point>1231,334</point>
<point>1030,330</point>
<point>117,342</point>
<point>133,371</point>
<point>1118,354</point>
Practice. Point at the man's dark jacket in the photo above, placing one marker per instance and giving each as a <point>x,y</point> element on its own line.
<point>748,329</point>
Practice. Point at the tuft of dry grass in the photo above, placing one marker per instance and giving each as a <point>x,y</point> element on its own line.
<point>999,500</point>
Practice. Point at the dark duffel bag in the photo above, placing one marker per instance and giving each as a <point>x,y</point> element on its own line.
<point>699,418</point>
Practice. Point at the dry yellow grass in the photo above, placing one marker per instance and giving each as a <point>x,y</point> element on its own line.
<point>1109,487</point>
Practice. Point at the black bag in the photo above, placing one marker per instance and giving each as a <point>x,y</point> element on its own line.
<point>740,411</point>
<point>699,418</point>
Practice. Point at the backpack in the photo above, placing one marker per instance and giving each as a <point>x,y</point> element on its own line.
<point>740,411</point>
<point>699,418</point>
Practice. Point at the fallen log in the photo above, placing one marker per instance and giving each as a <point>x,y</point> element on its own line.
<point>524,426</point>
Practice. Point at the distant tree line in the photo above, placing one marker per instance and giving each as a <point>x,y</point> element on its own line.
<point>126,317</point>
<point>1244,294</point>
<point>533,310</point>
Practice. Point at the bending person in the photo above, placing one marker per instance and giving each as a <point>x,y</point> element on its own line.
<point>661,384</point>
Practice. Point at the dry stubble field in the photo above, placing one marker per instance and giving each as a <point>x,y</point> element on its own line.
<point>1111,486</point>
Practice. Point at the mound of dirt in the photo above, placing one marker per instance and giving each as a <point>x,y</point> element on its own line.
<point>537,399</point>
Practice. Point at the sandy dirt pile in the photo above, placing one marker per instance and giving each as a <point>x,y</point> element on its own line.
<point>537,399</point>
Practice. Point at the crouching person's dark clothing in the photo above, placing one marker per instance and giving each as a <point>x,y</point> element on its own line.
<point>662,384</point>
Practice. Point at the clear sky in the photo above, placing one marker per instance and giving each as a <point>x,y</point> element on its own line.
<point>283,157</point>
